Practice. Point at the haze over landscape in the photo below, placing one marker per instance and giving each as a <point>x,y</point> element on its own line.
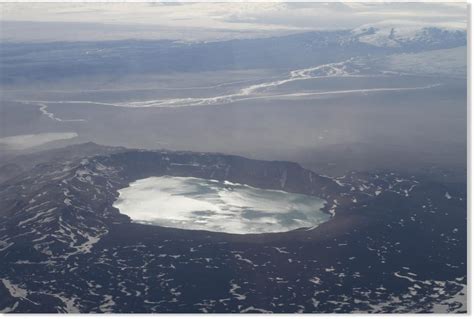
<point>314,96</point>
<point>276,143</point>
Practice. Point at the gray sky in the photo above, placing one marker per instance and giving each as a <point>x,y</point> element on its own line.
<point>210,21</point>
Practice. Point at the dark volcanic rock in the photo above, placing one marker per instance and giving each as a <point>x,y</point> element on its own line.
<point>394,244</point>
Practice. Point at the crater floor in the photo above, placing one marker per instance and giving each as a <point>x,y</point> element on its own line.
<point>201,204</point>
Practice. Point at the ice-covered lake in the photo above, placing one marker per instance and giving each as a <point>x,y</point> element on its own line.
<point>201,204</point>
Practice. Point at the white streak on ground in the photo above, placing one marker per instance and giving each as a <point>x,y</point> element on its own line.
<point>259,91</point>
<point>43,108</point>
<point>233,292</point>
<point>14,290</point>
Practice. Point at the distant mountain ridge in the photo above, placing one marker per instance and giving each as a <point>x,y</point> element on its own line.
<point>412,38</point>
<point>43,61</point>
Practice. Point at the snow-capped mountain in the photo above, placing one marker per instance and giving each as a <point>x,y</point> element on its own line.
<point>399,35</point>
<point>300,50</point>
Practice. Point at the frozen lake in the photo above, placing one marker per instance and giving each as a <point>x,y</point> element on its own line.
<point>201,204</point>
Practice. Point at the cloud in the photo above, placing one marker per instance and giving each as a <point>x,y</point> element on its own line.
<point>207,21</point>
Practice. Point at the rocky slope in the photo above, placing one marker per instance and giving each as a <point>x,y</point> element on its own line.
<point>394,243</point>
